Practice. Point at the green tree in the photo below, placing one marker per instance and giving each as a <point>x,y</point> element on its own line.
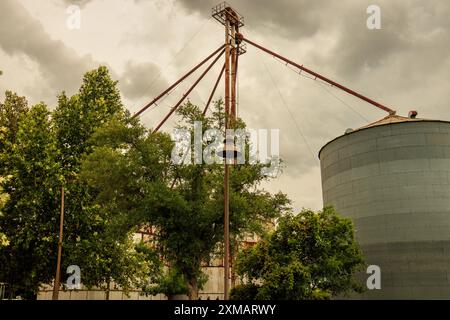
<point>40,153</point>
<point>76,118</point>
<point>102,257</point>
<point>313,255</point>
<point>12,111</point>
<point>29,220</point>
<point>131,170</point>
<point>3,198</point>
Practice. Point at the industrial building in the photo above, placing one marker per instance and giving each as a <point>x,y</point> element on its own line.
<point>392,178</point>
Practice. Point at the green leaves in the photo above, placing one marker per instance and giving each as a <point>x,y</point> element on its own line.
<point>312,255</point>
<point>12,111</point>
<point>29,217</point>
<point>42,151</point>
<point>3,199</point>
<point>93,240</point>
<point>131,173</point>
<point>118,178</point>
<point>78,117</point>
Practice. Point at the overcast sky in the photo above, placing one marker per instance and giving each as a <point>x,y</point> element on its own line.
<point>149,44</point>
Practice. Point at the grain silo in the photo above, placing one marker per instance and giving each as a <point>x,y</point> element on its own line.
<point>392,178</point>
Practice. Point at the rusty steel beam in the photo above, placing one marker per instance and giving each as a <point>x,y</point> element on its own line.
<point>226,192</point>
<point>319,76</point>
<point>233,85</point>
<point>177,82</point>
<point>214,89</point>
<point>235,60</point>
<point>188,92</point>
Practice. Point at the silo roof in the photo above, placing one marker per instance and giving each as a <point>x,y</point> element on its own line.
<point>389,120</point>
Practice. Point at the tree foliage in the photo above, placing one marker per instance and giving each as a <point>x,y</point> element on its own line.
<point>119,178</point>
<point>312,255</point>
<point>3,199</point>
<point>76,118</point>
<point>12,111</point>
<point>28,220</point>
<point>132,171</point>
<point>88,242</point>
<point>41,151</point>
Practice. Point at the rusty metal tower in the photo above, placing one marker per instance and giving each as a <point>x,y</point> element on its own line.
<point>232,21</point>
<point>233,47</point>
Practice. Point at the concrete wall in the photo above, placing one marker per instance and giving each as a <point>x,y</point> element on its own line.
<point>394,182</point>
<point>212,290</point>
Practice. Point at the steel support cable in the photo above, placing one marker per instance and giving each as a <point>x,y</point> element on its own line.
<point>345,104</point>
<point>189,91</point>
<point>317,75</point>
<point>299,130</point>
<point>290,113</point>
<point>156,78</point>
<point>177,82</point>
<point>323,86</point>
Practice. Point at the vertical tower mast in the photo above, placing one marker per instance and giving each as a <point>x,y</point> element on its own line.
<point>226,215</point>
<point>232,21</point>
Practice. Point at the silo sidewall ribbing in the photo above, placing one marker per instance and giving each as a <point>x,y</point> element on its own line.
<point>393,181</point>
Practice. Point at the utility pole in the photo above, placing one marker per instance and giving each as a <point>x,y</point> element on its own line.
<point>57,281</point>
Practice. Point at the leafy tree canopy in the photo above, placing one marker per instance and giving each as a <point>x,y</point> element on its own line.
<point>312,255</point>
<point>41,151</point>
<point>12,111</point>
<point>135,179</point>
<point>28,220</point>
<point>3,198</point>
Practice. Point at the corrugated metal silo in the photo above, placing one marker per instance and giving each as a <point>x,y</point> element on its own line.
<point>393,179</point>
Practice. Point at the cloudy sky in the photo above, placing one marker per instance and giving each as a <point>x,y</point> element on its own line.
<point>149,44</point>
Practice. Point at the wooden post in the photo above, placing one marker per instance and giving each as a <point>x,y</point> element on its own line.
<point>57,281</point>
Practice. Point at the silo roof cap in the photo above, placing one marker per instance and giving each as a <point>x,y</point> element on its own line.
<point>390,119</point>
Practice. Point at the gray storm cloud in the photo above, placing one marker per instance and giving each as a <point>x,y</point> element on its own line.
<point>405,65</point>
<point>406,26</point>
<point>385,64</point>
<point>284,17</point>
<point>22,34</point>
<point>61,66</point>
<point>140,79</point>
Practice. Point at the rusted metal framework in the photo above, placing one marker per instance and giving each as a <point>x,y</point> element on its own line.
<point>235,46</point>
<point>148,105</point>
<point>232,22</point>
<point>188,92</point>
<point>222,13</point>
<point>319,76</point>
